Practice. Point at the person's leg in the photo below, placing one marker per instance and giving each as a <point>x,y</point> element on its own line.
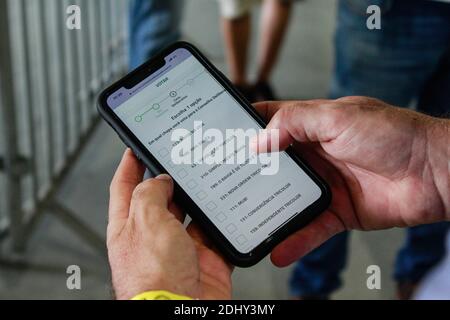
<point>402,63</point>
<point>393,64</point>
<point>236,27</point>
<point>424,246</point>
<point>435,97</point>
<point>436,284</point>
<point>317,275</point>
<point>153,25</point>
<point>274,22</point>
<point>423,249</point>
<point>236,33</point>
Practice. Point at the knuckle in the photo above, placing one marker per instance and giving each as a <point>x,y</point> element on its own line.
<point>143,190</point>
<point>336,114</point>
<point>351,99</point>
<point>359,102</point>
<point>287,113</point>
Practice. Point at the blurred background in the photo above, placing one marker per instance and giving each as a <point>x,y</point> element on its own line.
<point>57,158</point>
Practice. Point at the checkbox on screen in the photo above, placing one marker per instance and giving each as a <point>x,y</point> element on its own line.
<point>221,217</point>
<point>211,206</point>
<point>182,174</point>
<point>192,184</point>
<point>231,228</point>
<point>201,195</point>
<point>163,152</point>
<point>241,239</point>
<point>170,164</point>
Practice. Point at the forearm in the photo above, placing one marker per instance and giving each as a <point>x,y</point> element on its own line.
<point>438,155</point>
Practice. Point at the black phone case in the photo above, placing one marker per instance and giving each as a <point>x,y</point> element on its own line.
<point>182,198</point>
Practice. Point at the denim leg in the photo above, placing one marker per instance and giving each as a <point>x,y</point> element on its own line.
<point>154,24</point>
<point>398,65</point>
<point>394,64</point>
<point>424,246</point>
<point>317,274</point>
<point>423,249</point>
<point>435,97</point>
<point>408,60</point>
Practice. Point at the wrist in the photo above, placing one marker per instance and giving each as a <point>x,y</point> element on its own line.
<point>437,159</point>
<point>130,292</point>
<point>127,290</point>
<point>160,295</point>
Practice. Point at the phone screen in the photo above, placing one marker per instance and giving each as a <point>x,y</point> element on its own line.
<point>179,112</point>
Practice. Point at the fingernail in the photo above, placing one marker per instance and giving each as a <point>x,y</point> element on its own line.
<point>164,177</point>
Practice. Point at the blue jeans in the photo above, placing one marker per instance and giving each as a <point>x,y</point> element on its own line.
<point>405,63</point>
<point>154,24</point>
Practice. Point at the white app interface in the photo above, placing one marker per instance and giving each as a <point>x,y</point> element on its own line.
<point>246,206</point>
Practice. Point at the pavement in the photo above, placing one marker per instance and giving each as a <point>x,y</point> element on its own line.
<point>303,72</point>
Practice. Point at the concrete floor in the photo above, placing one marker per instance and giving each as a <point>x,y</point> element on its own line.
<point>53,247</point>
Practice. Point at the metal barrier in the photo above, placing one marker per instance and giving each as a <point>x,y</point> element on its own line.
<point>49,79</point>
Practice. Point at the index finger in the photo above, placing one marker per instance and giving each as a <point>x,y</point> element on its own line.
<point>128,175</point>
<point>267,109</point>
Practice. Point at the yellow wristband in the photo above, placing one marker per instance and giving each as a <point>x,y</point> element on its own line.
<point>160,295</point>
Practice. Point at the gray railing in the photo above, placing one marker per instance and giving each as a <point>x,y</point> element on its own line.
<point>49,79</point>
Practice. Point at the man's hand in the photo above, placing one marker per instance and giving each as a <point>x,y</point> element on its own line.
<point>387,167</point>
<point>148,246</point>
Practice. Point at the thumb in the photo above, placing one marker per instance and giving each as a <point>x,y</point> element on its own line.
<point>301,121</point>
<point>152,194</point>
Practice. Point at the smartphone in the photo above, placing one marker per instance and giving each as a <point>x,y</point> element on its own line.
<point>180,115</point>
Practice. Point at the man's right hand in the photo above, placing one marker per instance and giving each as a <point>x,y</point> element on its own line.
<point>387,167</point>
